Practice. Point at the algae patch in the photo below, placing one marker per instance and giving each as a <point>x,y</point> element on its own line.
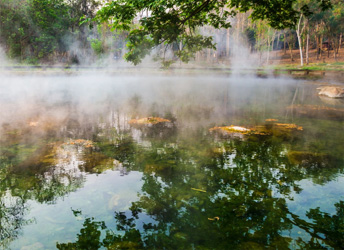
<point>310,159</point>
<point>149,121</point>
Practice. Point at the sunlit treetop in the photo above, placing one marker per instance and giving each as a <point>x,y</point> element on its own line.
<point>174,22</point>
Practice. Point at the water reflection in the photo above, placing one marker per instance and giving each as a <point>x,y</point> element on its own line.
<point>175,185</point>
<point>12,210</point>
<point>204,203</point>
<point>326,231</point>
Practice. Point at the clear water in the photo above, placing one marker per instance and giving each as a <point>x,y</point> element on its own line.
<point>76,174</point>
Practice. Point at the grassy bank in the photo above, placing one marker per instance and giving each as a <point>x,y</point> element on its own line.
<point>335,66</point>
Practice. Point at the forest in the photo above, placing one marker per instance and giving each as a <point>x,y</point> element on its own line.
<point>84,31</point>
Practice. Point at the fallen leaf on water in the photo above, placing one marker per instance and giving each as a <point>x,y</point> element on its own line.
<point>280,182</point>
<point>200,190</point>
<point>215,218</point>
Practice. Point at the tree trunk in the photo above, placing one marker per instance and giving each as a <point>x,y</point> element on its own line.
<point>307,47</point>
<point>298,33</point>
<point>268,57</point>
<point>317,40</point>
<point>238,28</point>
<point>243,22</point>
<point>335,49</point>
<point>227,43</point>
<point>21,51</point>
<point>278,40</point>
<point>284,43</point>
<point>273,41</point>
<point>321,48</point>
<point>291,51</point>
<point>340,41</point>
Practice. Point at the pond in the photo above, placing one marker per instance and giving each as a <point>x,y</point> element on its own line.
<point>152,162</point>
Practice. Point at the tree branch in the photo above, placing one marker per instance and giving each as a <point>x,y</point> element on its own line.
<point>196,11</point>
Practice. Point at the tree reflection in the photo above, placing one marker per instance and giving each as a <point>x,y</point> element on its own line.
<point>35,166</point>
<point>326,228</point>
<point>200,191</point>
<point>206,193</point>
<point>326,231</point>
<point>12,210</point>
<point>89,237</point>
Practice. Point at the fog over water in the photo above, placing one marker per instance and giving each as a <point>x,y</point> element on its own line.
<point>26,97</point>
<point>189,99</point>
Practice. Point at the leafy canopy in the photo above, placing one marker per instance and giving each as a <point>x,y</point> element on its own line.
<point>173,22</point>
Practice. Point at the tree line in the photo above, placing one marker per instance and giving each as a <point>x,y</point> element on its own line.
<point>45,30</point>
<point>77,31</point>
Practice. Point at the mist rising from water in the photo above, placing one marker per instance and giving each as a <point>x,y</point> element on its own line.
<point>189,99</point>
<point>241,57</point>
<point>3,59</point>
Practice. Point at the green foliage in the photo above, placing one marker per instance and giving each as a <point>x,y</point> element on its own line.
<point>192,44</point>
<point>139,45</point>
<point>166,63</point>
<point>52,20</point>
<point>97,46</point>
<point>15,26</point>
<point>330,226</point>
<point>121,15</point>
<point>89,237</point>
<point>170,21</point>
<point>38,28</point>
<point>166,23</point>
<point>44,29</point>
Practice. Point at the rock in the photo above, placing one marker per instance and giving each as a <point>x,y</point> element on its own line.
<point>232,131</point>
<point>332,101</point>
<point>331,91</point>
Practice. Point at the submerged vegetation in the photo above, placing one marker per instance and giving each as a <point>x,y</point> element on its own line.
<point>267,129</point>
<point>196,196</point>
<point>148,121</point>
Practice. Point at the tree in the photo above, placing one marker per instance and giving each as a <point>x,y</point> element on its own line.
<point>334,25</point>
<point>42,29</point>
<point>52,19</point>
<point>174,23</point>
<point>15,31</point>
<point>307,9</point>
